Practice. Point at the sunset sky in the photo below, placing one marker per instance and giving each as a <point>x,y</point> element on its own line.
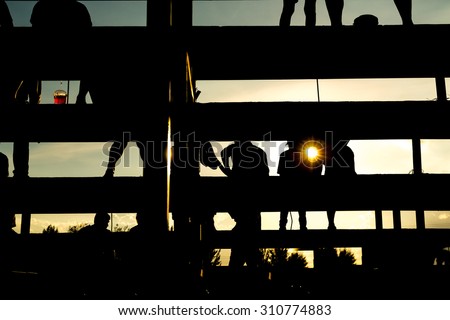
<point>371,157</point>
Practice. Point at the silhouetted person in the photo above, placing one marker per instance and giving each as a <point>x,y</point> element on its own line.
<point>110,93</point>
<point>100,226</point>
<point>140,227</point>
<point>8,249</point>
<point>365,21</point>
<point>295,164</point>
<point>209,159</point>
<point>341,164</point>
<point>54,15</point>
<point>443,258</point>
<point>334,8</point>
<point>57,15</point>
<point>97,255</point>
<point>146,259</point>
<point>8,238</point>
<point>6,20</point>
<point>7,225</point>
<point>8,87</point>
<point>60,13</point>
<point>249,168</point>
<point>404,8</point>
<point>7,220</point>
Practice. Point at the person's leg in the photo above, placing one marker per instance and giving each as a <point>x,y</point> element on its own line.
<point>404,8</point>
<point>21,155</point>
<point>287,12</point>
<point>335,9</point>
<point>310,13</point>
<point>302,219</point>
<point>330,216</point>
<point>115,152</point>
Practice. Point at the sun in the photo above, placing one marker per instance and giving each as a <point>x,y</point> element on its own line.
<point>312,153</point>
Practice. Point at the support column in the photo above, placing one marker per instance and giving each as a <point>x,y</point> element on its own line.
<point>441,91</point>
<point>417,164</point>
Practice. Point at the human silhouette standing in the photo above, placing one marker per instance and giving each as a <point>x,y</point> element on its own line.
<point>9,91</point>
<point>340,164</point>
<point>295,164</point>
<point>108,94</point>
<point>8,87</point>
<point>334,8</point>
<point>57,15</point>
<point>247,165</point>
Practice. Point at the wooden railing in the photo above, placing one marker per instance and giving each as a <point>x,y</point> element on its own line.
<point>263,53</point>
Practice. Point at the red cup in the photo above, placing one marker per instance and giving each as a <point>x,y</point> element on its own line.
<point>60,97</point>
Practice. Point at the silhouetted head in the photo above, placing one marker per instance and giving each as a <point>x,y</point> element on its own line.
<point>4,166</point>
<point>7,221</point>
<point>101,219</point>
<point>365,21</point>
<point>139,217</point>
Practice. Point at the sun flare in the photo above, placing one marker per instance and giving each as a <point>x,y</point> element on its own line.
<point>312,153</point>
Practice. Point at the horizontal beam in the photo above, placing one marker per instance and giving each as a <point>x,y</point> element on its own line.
<point>287,120</point>
<point>313,239</point>
<point>82,123</point>
<point>218,194</point>
<point>361,192</point>
<point>228,53</point>
<point>229,121</point>
<point>309,240</point>
<point>231,53</point>
<point>133,51</point>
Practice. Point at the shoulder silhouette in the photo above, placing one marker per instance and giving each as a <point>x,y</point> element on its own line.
<point>61,14</point>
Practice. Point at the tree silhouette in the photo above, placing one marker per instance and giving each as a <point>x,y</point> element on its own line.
<point>76,228</point>
<point>51,229</point>
<point>211,258</point>
<point>280,257</point>
<point>346,258</point>
<point>118,228</point>
<point>329,258</point>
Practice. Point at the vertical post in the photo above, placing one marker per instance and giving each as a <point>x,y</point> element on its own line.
<point>378,219</point>
<point>156,128</point>
<point>186,177</point>
<point>397,219</point>
<point>417,165</point>
<point>441,92</point>
<point>25,224</point>
<point>158,14</point>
